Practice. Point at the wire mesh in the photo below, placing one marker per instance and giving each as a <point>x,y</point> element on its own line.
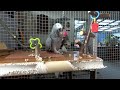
<point>17,27</point>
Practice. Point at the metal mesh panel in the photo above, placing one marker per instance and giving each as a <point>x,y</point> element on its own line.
<point>27,24</point>
<point>109,46</point>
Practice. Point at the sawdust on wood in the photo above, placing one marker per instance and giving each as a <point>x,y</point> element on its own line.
<point>21,56</point>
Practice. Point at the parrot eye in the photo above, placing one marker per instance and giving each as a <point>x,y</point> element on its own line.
<point>60,29</point>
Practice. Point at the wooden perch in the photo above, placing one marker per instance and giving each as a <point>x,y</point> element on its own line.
<point>88,34</point>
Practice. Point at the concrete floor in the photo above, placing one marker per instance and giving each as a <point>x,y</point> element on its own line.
<point>111,72</point>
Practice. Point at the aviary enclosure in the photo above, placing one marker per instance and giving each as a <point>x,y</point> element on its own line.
<point>89,38</point>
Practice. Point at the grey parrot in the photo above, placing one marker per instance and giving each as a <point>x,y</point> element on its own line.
<point>55,38</point>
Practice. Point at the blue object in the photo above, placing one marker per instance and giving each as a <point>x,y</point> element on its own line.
<point>96,16</point>
<point>101,37</point>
